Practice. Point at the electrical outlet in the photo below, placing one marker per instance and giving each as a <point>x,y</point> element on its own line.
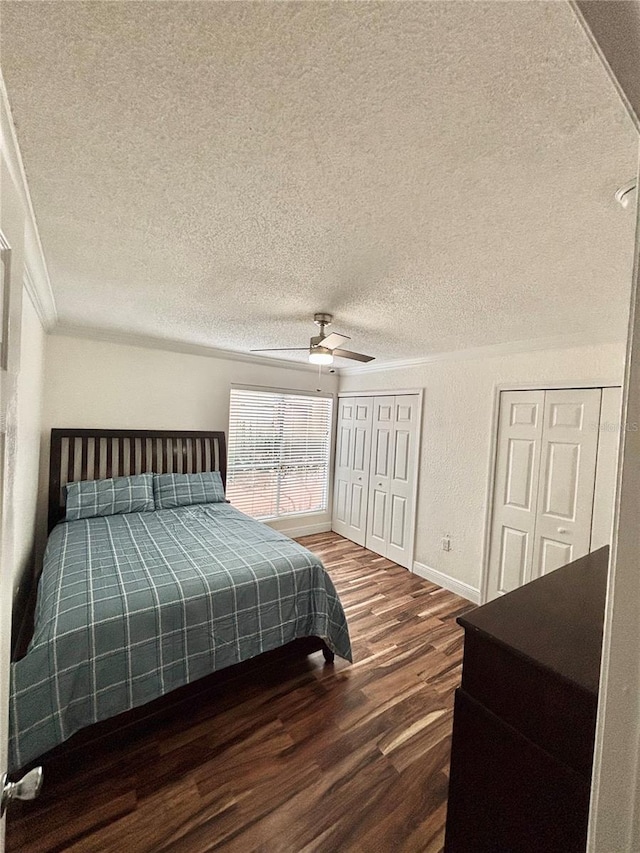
<point>446,543</point>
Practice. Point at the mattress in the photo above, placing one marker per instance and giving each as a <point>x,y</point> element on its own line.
<point>133,606</point>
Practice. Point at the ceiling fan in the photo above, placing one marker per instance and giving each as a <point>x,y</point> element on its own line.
<point>322,348</point>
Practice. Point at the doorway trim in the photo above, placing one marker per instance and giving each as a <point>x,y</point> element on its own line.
<point>393,393</point>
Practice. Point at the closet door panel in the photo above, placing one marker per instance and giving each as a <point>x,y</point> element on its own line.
<point>361,439</point>
<point>340,503</point>
<point>376,534</point>
<point>567,477</point>
<point>382,437</point>
<point>403,468</point>
<point>342,475</point>
<point>383,411</point>
<point>356,508</point>
<point>343,452</point>
<point>560,497</point>
<point>382,452</point>
<point>378,519</point>
<point>521,469</point>
<point>520,425</point>
<point>401,456</point>
<point>554,554</point>
<point>351,479</point>
<point>514,552</point>
<point>398,526</point>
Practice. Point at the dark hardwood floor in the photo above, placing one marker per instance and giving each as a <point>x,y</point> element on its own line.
<point>293,756</point>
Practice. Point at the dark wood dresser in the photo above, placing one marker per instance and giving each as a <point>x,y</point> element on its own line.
<point>524,720</point>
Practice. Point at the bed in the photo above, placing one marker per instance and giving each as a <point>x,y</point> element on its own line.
<point>132,606</point>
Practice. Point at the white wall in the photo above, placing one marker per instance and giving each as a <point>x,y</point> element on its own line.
<point>456,438</point>
<point>101,384</point>
<point>20,401</point>
<point>29,390</point>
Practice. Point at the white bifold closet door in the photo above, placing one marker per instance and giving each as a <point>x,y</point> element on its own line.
<point>548,457</point>
<point>351,482</point>
<point>375,476</point>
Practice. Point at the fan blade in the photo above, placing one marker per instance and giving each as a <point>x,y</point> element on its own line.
<point>334,340</point>
<point>282,349</point>
<point>356,356</point>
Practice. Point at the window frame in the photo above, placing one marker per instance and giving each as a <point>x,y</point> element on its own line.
<point>293,392</point>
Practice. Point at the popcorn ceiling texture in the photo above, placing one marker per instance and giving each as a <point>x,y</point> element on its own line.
<point>437,175</point>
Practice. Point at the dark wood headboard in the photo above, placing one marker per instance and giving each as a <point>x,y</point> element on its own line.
<point>97,454</point>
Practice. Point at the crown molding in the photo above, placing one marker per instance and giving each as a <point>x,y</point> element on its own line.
<point>36,277</point>
<point>558,342</point>
<point>36,300</point>
<point>111,336</point>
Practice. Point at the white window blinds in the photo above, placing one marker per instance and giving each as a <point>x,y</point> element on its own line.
<point>279,446</point>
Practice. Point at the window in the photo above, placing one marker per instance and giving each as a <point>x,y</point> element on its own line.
<point>279,446</point>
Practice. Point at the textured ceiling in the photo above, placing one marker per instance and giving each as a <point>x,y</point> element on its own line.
<point>437,175</point>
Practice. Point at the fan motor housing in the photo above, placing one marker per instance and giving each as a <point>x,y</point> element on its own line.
<point>322,319</point>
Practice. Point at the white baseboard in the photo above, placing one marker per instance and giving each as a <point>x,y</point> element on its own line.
<point>453,585</point>
<point>305,529</point>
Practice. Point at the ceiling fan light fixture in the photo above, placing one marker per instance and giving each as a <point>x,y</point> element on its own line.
<point>322,348</point>
<point>321,355</point>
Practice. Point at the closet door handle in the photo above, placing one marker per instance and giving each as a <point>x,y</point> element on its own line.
<point>562,530</point>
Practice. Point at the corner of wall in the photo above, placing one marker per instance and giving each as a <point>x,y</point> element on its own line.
<point>464,590</point>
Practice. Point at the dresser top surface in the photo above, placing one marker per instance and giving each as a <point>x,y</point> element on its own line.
<point>555,621</point>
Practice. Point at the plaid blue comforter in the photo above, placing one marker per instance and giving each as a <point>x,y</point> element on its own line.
<point>133,606</point>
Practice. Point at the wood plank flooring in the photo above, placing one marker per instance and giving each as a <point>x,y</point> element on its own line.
<point>290,757</point>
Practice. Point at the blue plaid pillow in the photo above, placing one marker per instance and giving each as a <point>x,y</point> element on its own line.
<point>89,498</point>
<point>171,490</point>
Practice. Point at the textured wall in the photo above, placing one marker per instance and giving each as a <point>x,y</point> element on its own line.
<point>110,385</point>
<point>456,438</point>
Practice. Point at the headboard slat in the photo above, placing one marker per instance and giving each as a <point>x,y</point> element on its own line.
<point>88,454</point>
<point>109,470</point>
<point>71,461</point>
<point>83,459</point>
